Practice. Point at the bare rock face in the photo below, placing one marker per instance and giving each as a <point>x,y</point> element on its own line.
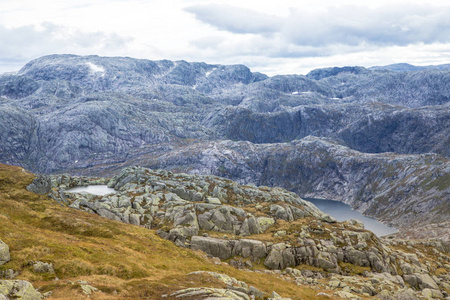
<point>4,253</point>
<point>19,289</point>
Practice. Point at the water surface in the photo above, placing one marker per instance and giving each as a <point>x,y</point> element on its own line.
<point>92,189</point>
<point>341,212</point>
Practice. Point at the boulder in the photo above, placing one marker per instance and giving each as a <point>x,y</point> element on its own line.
<point>249,226</point>
<point>280,257</point>
<point>250,248</point>
<point>41,185</point>
<point>264,223</point>
<point>420,281</point>
<point>426,282</point>
<point>357,257</point>
<point>255,293</point>
<point>4,253</point>
<point>430,294</point>
<point>43,267</point>
<point>215,247</point>
<point>212,200</point>
<point>19,289</point>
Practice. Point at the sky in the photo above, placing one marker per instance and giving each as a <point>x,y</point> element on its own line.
<point>273,37</point>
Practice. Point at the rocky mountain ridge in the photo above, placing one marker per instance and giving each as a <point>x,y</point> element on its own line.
<point>93,115</point>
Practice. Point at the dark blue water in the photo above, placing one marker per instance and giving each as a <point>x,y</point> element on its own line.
<point>341,212</point>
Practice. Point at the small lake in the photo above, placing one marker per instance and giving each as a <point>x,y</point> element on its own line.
<point>341,212</point>
<point>92,189</point>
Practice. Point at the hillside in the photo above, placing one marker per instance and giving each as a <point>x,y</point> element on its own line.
<point>121,260</point>
<point>381,135</point>
<point>69,252</point>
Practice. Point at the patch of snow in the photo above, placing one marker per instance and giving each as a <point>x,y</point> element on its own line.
<point>95,68</point>
<point>209,72</point>
<point>194,87</point>
<point>294,93</point>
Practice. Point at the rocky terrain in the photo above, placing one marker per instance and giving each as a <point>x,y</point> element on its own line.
<point>52,251</point>
<point>262,229</point>
<point>376,138</point>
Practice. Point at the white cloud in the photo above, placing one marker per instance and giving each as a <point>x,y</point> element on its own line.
<point>27,42</point>
<point>234,19</point>
<point>283,36</point>
<point>347,25</point>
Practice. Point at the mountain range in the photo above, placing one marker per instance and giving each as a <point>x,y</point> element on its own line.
<point>376,138</point>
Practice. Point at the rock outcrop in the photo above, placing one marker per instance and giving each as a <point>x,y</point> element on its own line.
<point>235,289</point>
<point>270,227</point>
<point>18,289</point>
<point>4,253</point>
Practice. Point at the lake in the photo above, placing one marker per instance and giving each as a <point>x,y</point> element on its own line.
<point>341,212</point>
<point>92,189</point>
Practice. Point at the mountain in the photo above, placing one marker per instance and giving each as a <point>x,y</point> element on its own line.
<point>403,67</point>
<point>375,138</point>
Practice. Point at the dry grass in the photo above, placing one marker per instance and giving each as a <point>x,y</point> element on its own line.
<point>122,260</point>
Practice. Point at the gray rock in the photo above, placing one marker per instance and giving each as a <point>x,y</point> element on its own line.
<point>19,289</point>
<point>256,293</point>
<point>215,247</point>
<point>213,200</point>
<point>250,248</point>
<point>279,257</point>
<point>43,267</point>
<point>4,253</point>
<point>264,223</point>
<point>41,185</point>
<point>357,257</point>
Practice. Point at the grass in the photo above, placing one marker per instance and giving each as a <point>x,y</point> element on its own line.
<point>352,269</point>
<point>122,260</point>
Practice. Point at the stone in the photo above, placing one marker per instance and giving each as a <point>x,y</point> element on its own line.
<point>135,219</point>
<point>256,293</point>
<point>19,289</point>
<point>43,267</point>
<point>213,200</point>
<point>216,247</point>
<point>88,289</point>
<point>250,248</point>
<point>430,293</point>
<point>4,253</point>
<point>347,295</point>
<point>407,294</point>
<point>264,223</point>
<point>425,281</point>
<point>356,223</point>
<point>41,185</point>
<point>357,257</point>
<point>280,257</point>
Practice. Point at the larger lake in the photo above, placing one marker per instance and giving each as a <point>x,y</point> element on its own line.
<point>341,212</point>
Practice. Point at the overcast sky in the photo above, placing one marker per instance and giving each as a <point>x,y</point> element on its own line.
<point>273,37</point>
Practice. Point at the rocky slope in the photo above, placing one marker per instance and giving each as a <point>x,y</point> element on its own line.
<point>66,112</point>
<point>403,190</point>
<point>253,227</point>
<point>58,252</point>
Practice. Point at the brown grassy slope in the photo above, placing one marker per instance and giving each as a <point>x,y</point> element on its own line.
<point>122,260</point>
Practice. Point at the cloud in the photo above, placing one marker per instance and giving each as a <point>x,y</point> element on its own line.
<point>346,25</point>
<point>28,42</point>
<point>235,19</point>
